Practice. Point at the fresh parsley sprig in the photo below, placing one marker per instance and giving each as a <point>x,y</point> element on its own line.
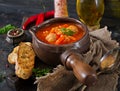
<point>6,28</point>
<point>66,31</point>
<point>41,72</point>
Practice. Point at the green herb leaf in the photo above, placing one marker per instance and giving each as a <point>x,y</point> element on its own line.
<point>41,72</point>
<point>67,31</point>
<point>6,28</point>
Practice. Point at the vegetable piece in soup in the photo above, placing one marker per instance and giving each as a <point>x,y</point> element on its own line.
<point>60,33</point>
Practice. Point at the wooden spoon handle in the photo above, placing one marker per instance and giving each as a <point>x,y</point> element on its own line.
<point>83,72</point>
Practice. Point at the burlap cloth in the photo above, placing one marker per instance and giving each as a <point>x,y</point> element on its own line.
<point>63,80</point>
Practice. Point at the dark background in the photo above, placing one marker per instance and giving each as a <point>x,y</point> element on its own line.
<point>12,11</point>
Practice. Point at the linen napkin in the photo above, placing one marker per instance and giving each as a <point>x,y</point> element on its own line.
<point>64,80</point>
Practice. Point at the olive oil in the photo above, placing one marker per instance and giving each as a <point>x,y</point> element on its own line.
<point>90,12</point>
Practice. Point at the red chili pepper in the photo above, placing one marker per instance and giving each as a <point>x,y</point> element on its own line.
<point>49,14</point>
<point>29,20</point>
<point>40,19</point>
<point>44,16</point>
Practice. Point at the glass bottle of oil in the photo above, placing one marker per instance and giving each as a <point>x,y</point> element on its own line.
<point>90,12</point>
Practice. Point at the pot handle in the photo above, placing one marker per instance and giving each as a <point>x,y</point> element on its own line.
<point>83,72</point>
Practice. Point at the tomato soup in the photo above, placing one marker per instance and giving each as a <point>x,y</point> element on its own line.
<point>60,33</point>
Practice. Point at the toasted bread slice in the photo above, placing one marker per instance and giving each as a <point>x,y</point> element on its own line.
<point>12,57</point>
<point>25,61</point>
<point>23,57</point>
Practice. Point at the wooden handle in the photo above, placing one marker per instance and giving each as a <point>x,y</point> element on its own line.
<point>83,72</point>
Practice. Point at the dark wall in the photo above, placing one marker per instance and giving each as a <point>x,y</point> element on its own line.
<point>17,9</point>
<point>32,6</point>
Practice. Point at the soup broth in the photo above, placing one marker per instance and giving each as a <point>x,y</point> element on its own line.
<point>60,33</point>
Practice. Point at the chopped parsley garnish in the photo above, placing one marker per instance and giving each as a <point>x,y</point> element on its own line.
<point>41,72</point>
<point>6,28</point>
<point>66,31</point>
